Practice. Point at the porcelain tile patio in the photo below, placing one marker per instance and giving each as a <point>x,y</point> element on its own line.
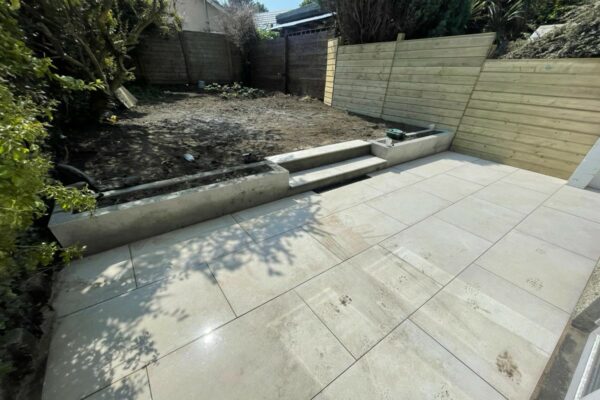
<point>503,333</point>
<point>438,249</point>
<point>156,257</point>
<point>260,272</point>
<point>95,279</point>
<point>364,298</point>
<point>448,277</point>
<point>280,351</point>
<point>351,231</point>
<point>573,233</point>
<point>409,205</point>
<point>481,218</point>
<point>101,344</point>
<point>409,364</point>
<point>543,269</point>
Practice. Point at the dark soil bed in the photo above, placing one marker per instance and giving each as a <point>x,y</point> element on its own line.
<point>148,143</point>
<point>177,185</point>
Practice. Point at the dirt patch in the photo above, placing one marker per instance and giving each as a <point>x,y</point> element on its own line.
<point>150,141</point>
<point>507,366</point>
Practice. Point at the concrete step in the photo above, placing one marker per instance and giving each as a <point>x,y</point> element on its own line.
<point>317,156</point>
<point>330,174</point>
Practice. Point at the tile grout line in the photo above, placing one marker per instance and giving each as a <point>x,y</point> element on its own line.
<point>132,266</point>
<point>222,292</point>
<point>443,286</point>
<point>324,324</point>
<point>149,383</point>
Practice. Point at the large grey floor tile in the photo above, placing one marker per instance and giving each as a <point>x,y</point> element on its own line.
<point>481,217</point>
<point>306,198</point>
<point>365,297</point>
<point>583,203</point>
<point>278,351</point>
<point>438,249</point>
<point>409,205</point>
<point>94,279</point>
<point>500,331</point>
<point>132,387</point>
<point>448,187</point>
<point>269,225</point>
<point>534,181</point>
<point>409,364</point>
<point>351,231</point>
<point>389,180</point>
<point>543,269</point>
<point>433,165</point>
<point>106,342</point>
<point>260,272</point>
<point>565,230</point>
<point>511,196</point>
<point>482,174</point>
<point>345,197</point>
<point>156,257</point>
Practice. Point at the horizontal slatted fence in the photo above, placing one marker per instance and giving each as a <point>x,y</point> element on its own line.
<point>361,77</point>
<point>431,79</point>
<point>542,115</point>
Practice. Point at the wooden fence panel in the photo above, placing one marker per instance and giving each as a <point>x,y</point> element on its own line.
<point>542,115</point>
<point>332,47</point>
<point>361,77</point>
<point>188,57</point>
<point>431,80</point>
<point>267,65</point>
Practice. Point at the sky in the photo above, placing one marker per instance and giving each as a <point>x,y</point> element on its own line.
<point>274,5</point>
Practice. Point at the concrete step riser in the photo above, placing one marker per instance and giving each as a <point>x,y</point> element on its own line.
<point>324,159</point>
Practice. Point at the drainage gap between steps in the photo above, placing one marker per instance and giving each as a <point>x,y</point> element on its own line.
<point>340,184</point>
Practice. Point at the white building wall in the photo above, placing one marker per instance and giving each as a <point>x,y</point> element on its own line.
<point>194,15</point>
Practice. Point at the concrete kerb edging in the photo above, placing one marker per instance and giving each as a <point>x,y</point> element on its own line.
<point>116,225</point>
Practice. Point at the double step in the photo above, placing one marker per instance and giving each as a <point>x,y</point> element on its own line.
<point>327,165</point>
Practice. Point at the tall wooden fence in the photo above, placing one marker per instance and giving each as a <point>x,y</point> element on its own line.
<point>542,115</point>
<point>294,64</point>
<point>419,82</point>
<point>188,57</point>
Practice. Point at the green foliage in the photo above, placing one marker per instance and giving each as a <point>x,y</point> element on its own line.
<point>256,6</point>
<point>264,34</point>
<point>25,185</point>
<point>366,21</point>
<point>307,2</point>
<point>579,37</point>
<point>92,40</point>
<point>505,17</point>
<point>234,91</point>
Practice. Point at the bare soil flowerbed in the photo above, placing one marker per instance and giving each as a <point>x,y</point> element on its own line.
<point>148,143</point>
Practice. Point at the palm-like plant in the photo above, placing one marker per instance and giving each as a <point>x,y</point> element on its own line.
<point>505,17</point>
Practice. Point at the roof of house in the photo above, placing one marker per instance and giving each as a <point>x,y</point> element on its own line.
<point>266,20</point>
<point>308,11</point>
<point>302,21</point>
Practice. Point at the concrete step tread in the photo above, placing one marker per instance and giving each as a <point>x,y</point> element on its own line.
<point>326,172</point>
<point>318,151</point>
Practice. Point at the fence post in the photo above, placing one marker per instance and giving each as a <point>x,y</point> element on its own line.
<point>332,47</point>
<point>186,61</point>
<point>285,64</point>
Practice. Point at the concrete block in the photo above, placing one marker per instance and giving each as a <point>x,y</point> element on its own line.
<point>120,224</point>
<point>401,152</point>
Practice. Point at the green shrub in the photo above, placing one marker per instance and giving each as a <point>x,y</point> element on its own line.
<point>234,91</point>
<point>25,184</point>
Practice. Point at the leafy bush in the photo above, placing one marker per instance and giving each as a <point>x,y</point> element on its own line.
<point>579,37</point>
<point>25,186</point>
<point>367,21</point>
<point>234,91</point>
<point>264,34</point>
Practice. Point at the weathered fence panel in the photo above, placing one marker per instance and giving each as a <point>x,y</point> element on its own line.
<point>431,79</point>
<point>296,64</point>
<point>542,115</point>
<point>188,57</point>
<point>267,64</point>
<point>332,46</point>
